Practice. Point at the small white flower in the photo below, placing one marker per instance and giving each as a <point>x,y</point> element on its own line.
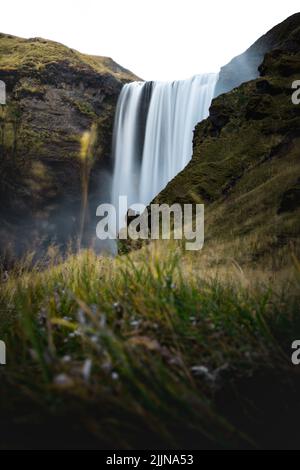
<point>86,370</point>
<point>63,380</point>
<point>114,375</point>
<point>81,317</point>
<point>66,358</point>
<point>102,321</point>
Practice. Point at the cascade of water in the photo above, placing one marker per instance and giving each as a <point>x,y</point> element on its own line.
<point>153,134</point>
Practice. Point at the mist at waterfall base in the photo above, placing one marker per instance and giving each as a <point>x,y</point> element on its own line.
<point>153,135</point>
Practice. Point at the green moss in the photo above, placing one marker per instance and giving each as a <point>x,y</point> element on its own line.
<point>36,53</point>
<point>83,107</point>
<point>29,87</point>
<point>241,169</point>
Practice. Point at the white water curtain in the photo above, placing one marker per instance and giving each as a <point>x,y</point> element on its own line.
<point>148,156</point>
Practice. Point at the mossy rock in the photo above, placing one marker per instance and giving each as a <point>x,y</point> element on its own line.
<point>246,160</point>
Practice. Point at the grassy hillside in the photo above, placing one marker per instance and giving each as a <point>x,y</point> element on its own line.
<point>246,165</point>
<point>36,53</point>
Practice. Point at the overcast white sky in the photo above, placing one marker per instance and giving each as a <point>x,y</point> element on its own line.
<point>156,39</point>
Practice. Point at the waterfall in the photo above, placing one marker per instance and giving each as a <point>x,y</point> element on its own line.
<point>153,134</point>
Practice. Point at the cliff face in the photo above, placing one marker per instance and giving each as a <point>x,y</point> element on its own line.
<point>246,158</point>
<point>245,66</point>
<point>54,94</point>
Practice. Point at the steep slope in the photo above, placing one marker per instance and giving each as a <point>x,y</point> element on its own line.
<point>246,165</point>
<point>54,94</point>
<point>244,67</point>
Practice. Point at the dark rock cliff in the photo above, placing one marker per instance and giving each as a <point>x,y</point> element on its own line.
<point>244,67</point>
<point>54,94</point>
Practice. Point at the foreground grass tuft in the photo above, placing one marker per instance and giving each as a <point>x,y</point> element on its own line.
<point>146,351</point>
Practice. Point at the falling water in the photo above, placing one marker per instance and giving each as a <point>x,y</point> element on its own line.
<point>153,134</point>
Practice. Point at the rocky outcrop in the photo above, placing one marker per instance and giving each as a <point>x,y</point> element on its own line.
<point>246,157</point>
<point>54,94</point>
<point>245,66</point>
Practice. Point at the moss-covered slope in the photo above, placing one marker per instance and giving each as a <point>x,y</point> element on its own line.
<point>244,67</point>
<point>246,159</point>
<point>37,53</point>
